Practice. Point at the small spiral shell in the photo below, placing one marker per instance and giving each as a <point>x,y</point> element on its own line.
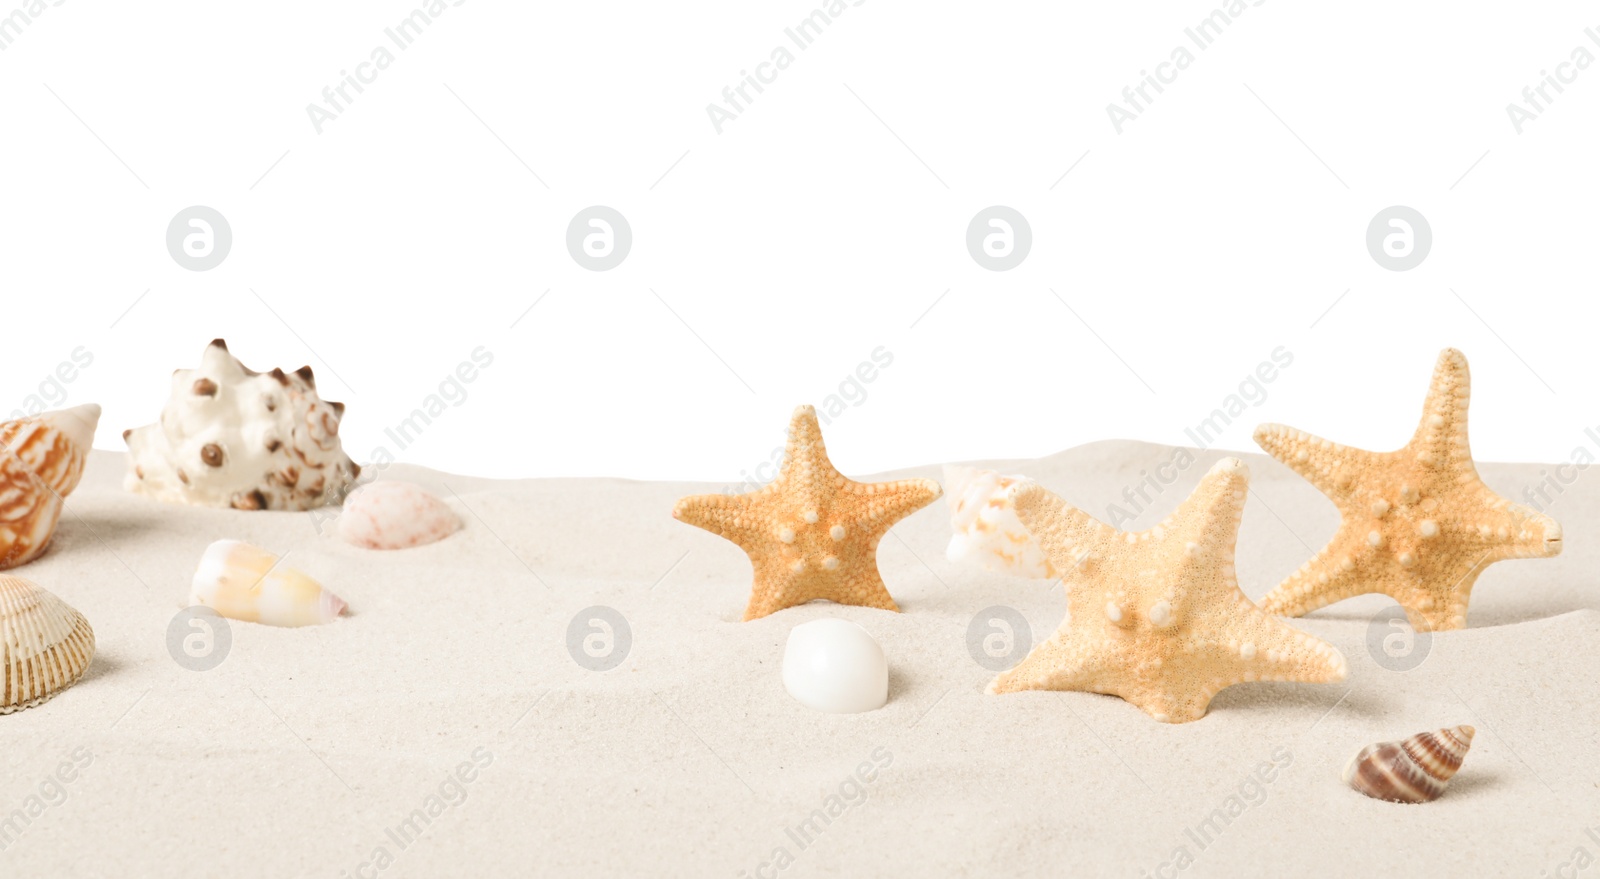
<point>1413,771</point>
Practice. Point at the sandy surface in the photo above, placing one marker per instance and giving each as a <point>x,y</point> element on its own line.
<point>304,747</point>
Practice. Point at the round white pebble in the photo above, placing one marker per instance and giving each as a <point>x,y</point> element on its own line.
<point>836,667</point>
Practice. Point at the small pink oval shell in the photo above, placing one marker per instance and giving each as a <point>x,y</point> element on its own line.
<point>395,515</point>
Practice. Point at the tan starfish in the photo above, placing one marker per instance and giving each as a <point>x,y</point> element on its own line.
<point>810,533</point>
<point>1418,525</point>
<point>1156,616</point>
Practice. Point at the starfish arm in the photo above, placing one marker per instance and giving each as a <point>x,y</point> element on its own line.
<point>1078,662</point>
<point>886,503</point>
<point>1509,531</point>
<point>1257,647</point>
<point>1439,609</point>
<point>727,516</point>
<point>1167,703</point>
<point>1067,534</point>
<point>1331,467</point>
<point>1441,437</point>
<point>1208,519</point>
<point>1057,663</point>
<point>805,457</point>
<point>1327,577</point>
<point>773,588</point>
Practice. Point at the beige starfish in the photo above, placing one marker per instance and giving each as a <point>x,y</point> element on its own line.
<point>1156,616</point>
<point>810,533</point>
<point>1418,525</point>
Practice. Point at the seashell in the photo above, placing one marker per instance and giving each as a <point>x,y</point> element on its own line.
<point>395,515</point>
<point>233,437</point>
<point>986,527</point>
<point>835,666</point>
<point>55,445</point>
<point>41,460</point>
<point>45,645</point>
<point>1413,771</point>
<point>244,582</point>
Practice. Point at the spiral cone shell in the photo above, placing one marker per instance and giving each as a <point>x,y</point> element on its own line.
<point>244,582</point>
<point>1412,771</point>
<point>41,460</point>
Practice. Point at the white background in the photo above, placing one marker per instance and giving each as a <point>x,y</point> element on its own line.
<point>818,226</point>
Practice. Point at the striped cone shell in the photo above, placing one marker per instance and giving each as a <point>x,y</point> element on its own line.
<point>29,510</point>
<point>41,460</point>
<point>45,645</point>
<point>1413,771</point>
<point>244,582</point>
<point>54,445</point>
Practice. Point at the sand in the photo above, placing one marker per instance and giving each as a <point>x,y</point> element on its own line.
<point>305,749</point>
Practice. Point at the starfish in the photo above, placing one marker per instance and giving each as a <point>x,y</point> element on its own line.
<point>811,533</point>
<point>1156,617</point>
<point>1417,525</point>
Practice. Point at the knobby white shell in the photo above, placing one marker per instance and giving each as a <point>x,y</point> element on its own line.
<point>233,437</point>
<point>987,530</point>
<point>45,645</point>
<point>395,515</point>
<point>41,460</point>
<point>836,667</point>
<point>244,582</point>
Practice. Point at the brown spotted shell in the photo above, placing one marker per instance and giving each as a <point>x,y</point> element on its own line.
<point>45,645</point>
<point>1412,771</point>
<point>232,437</point>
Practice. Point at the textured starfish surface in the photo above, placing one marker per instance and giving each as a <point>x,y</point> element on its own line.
<point>811,533</point>
<point>1156,617</point>
<point>1418,525</point>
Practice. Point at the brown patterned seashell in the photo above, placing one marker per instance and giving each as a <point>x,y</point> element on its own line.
<point>41,461</point>
<point>45,645</point>
<point>54,445</point>
<point>1413,771</point>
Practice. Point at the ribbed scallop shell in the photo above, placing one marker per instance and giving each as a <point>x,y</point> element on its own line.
<point>41,461</point>
<point>1413,771</point>
<point>244,582</point>
<point>45,645</point>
